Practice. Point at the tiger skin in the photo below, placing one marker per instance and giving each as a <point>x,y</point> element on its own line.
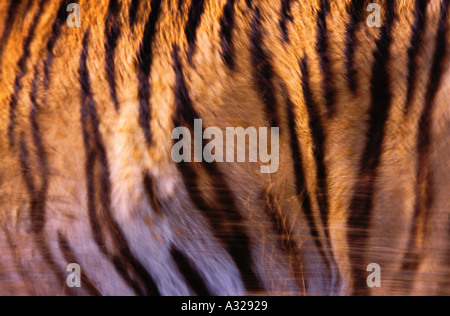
<point>86,174</point>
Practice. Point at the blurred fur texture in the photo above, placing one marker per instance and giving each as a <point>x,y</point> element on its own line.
<point>86,176</point>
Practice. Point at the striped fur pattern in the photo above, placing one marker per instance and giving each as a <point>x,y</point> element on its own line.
<point>86,176</point>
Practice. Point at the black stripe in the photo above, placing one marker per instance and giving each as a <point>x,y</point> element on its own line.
<point>318,137</point>
<point>91,154</point>
<point>12,11</point>
<point>225,220</point>
<point>35,208</point>
<point>414,48</point>
<point>364,189</point>
<point>27,175</point>
<point>285,17</point>
<point>70,257</point>
<point>356,16</point>
<point>249,3</point>
<point>322,51</point>
<point>226,32</point>
<point>194,16</point>
<point>99,190</point>
<point>149,187</point>
<point>38,218</point>
<point>58,23</point>
<point>424,187</point>
<point>133,11</point>
<point>301,187</point>
<point>192,277</point>
<point>287,242</point>
<point>436,75</point>
<point>22,70</point>
<point>37,196</point>
<point>263,71</point>
<point>112,33</point>
<point>145,60</point>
